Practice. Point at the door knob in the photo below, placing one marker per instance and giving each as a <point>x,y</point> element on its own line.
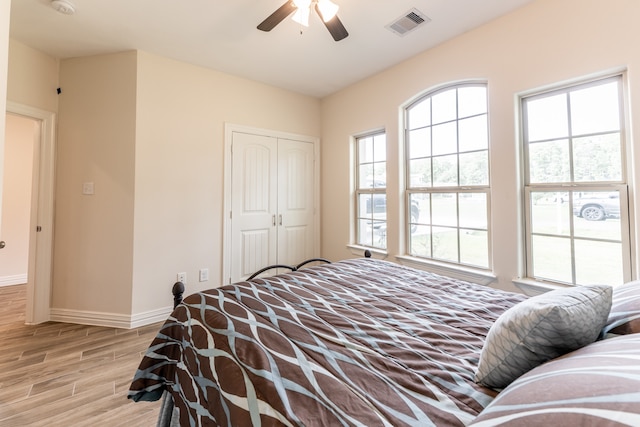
<point>2,244</point>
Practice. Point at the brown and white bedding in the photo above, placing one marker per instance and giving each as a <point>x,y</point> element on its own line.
<point>353,343</point>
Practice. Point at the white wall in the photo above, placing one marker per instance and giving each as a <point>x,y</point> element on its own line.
<point>16,198</point>
<point>546,42</point>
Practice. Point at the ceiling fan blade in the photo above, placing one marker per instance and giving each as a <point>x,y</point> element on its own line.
<point>278,16</point>
<point>335,27</point>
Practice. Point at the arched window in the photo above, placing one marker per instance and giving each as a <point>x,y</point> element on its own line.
<point>447,176</point>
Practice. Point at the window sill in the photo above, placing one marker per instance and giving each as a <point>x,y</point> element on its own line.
<point>456,272</point>
<point>375,253</point>
<point>531,287</point>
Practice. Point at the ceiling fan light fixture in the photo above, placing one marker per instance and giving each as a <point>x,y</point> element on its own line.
<point>302,13</point>
<point>328,9</point>
<point>302,16</point>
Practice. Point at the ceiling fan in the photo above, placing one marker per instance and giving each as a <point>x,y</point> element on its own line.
<point>326,9</point>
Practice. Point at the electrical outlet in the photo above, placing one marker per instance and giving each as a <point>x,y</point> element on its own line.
<point>182,277</point>
<point>204,274</point>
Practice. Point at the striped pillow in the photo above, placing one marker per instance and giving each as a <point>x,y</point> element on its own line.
<point>624,317</point>
<point>597,385</point>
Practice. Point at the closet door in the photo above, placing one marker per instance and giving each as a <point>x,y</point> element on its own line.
<point>272,203</point>
<point>254,199</point>
<point>295,201</point>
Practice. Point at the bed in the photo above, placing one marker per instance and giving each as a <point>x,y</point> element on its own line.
<point>358,342</point>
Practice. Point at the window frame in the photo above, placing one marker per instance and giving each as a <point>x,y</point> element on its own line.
<point>573,187</point>
<point>430,189</point>
<point>373,190</point>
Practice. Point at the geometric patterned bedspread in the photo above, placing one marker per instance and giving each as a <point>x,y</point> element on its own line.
<point>359,342</point>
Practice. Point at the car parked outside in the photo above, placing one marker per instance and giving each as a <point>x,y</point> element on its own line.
<point>597,206</point>
<point>378,206</point>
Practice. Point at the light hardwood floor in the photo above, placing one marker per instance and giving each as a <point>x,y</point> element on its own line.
<point>58,374</point>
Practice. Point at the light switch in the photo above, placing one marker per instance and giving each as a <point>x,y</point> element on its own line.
<point>87,188</point>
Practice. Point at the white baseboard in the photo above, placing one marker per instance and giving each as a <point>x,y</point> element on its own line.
<point>16,279</point>
<point>111,320</point>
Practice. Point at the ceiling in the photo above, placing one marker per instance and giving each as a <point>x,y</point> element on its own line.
<point>222,35</point>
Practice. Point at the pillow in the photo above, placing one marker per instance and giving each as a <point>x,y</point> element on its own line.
<point>625,310</point>
<point>542,328</point>
<point>597,385</point>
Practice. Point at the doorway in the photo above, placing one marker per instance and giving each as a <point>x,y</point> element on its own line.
<point>30,231</point>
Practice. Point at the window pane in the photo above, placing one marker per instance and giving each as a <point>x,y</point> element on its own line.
<point>420,173</point>
<point>419,143</point>
<point>595,109</point>
<point>365,205</point>
<point>474,248</point>
<point>420,114</point>
<point>473,210</point>
<point>445,139</point>
<point>365,175</point>
<point>444,106</point>
<point>547,118</point>
<point>380,148</point>
<point>550,213</point>
<point>597,158</point>
<point>380,175</point>
<point>552,258</point>
<point>445,171</point>
<point>549,162</point>
<point>473,134</point>
<point>420,242</point>
<point>472,100</point>
<point>445,243</point>
<point>598,263</point>
<point>365,233</point>
<point>365,150</point>
<point>420,208</point>
<point>379,234</point>
<point>474,168</point>
<point>444,209</point>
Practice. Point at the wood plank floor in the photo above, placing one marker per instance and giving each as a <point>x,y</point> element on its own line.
<point>58,374</point>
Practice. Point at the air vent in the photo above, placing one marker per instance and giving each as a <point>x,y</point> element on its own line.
<point>408,22</point>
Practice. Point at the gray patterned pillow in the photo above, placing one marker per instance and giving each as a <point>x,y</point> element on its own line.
<point>593,386</point>
<point>542,328</point>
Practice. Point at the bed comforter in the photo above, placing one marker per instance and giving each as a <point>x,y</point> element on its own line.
<point>358,342</point>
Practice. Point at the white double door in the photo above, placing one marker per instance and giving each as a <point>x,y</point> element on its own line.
<point>272,203</point>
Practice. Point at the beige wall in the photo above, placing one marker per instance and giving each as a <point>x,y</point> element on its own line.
<point>93,246</point>
<point>33,77</point>
<point>181,113</point>
<point>149,133</point>
<point>16,198</point>
<point>546,42</point>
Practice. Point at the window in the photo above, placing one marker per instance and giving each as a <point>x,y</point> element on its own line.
<point>447,148</point>
<point>577,225</point>
<point>371,196</point>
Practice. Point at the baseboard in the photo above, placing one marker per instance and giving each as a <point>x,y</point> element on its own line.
<point>111,320</point>
<point>16,279</point>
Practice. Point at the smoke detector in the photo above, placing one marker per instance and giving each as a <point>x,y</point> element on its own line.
<point>63,6</point>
